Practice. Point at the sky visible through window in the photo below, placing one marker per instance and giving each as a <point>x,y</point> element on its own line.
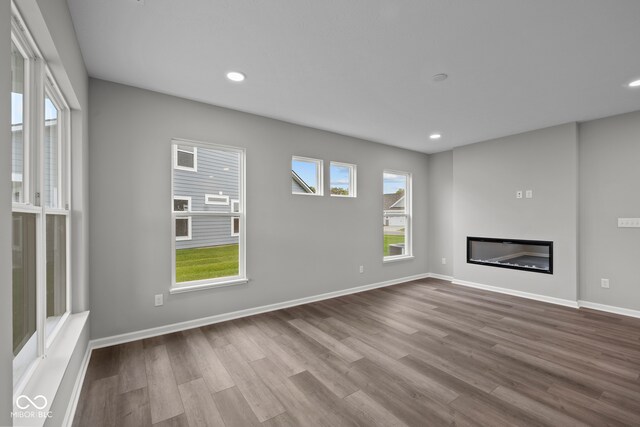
<point>393,183</point>
<point>307,171</point>
<point>16,108</point>
<point>50,110</point>
<point>340,177</point>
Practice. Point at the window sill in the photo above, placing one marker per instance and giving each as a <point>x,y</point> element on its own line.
<point>49,373</point>
<point>397,258</point>
<point>205,286</point>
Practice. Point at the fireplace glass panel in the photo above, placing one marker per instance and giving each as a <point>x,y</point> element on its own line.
<point>530,255</point>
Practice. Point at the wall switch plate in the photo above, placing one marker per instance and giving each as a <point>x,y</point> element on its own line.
<point>444,260</point>
<point>159,300</point>
<point>604,283</point>
<point>628,222</point>
<point>518,194</point>
<point>362,269</point>
<point>529,194</point>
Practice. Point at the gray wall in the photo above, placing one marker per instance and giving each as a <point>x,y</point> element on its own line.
<point>297,246</point>
<point>609,177</point>
<point>486,177</point>
<point>440,214</point>
<point>6,331</point>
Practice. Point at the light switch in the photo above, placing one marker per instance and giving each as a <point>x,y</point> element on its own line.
<point>628,222</point>
<point>518,194</point>
<point>529,194</point>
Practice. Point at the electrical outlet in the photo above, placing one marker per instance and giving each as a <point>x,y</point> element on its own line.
<point>604,283</point>
<point>518,194</point>
<point>159,300</point>
<point>529,194</point>
<point>444,260</point>
<point>362,269</point>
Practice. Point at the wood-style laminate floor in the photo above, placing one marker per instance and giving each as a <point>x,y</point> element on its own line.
<point>424,353</point>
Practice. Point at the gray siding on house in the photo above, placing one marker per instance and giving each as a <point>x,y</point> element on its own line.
<point>296,188</point>
<point>217,174</point>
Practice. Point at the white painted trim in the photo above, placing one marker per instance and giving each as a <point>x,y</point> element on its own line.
<point>352,179</point>
<point>441,277</point>
<point>609,308</point>
<point>209,199</point>
<point>176,327</point>
<point>188,236</point>
<point>319,175</point>
<point>537,297</point>
<point>185,168</point>
<point>77,388</point>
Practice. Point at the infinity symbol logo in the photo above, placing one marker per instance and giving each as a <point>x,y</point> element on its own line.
<point>23,402</point>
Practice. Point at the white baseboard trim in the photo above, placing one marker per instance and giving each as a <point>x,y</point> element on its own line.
<point>441,277</point>
<point>609,308</point>
<point>537,297</point>
<point>196,323</point>
<point>77,388</point>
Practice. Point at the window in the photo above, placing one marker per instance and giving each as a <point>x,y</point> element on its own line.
<point>396,215</point>
<point>213,199</point>
<point>306,176</point>
<point>206,253</point>
<point>183,225</point>
<point>181,204</point>
<point>342,179</point>
<point>235,221</point>
<point>40,123</point>
<point>185,158</point>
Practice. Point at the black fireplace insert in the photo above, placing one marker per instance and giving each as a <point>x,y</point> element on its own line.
<point>528,255</point>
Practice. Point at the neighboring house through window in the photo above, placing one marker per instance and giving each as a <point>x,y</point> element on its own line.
<point>396,215</point>
<point>306,176</point>
<point>208,247</point>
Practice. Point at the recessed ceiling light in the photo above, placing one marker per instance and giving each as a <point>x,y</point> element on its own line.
<point>635,83</point>
<point>440,77</point>
<point>435,136</point>
<point>235,76</point>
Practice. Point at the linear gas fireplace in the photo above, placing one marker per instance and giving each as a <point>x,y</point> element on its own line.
<point>529,255</point>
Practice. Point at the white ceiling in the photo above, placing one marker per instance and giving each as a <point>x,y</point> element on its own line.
<point>364,67</point>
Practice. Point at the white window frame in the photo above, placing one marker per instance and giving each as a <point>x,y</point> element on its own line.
<point>319,175</point>
<point>241,278</point>
<point>235,207</point>
<point>352,179</point>
<point>224,202</point>
<point>408,244</point>
<point>188,236</point>
<point>185,168</point>
<point>187,198</point>
<point>40,81</point>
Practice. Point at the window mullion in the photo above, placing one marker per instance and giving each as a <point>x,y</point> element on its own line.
<point>36,110</point>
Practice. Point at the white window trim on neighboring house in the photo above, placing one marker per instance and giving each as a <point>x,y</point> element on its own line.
<point>209,199</point>
<point>188,236</point>
<point>352,179</point>
<point>188,199</point>
<point>235,207</point>
<point>185,168</point>
<point>408,214</point>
